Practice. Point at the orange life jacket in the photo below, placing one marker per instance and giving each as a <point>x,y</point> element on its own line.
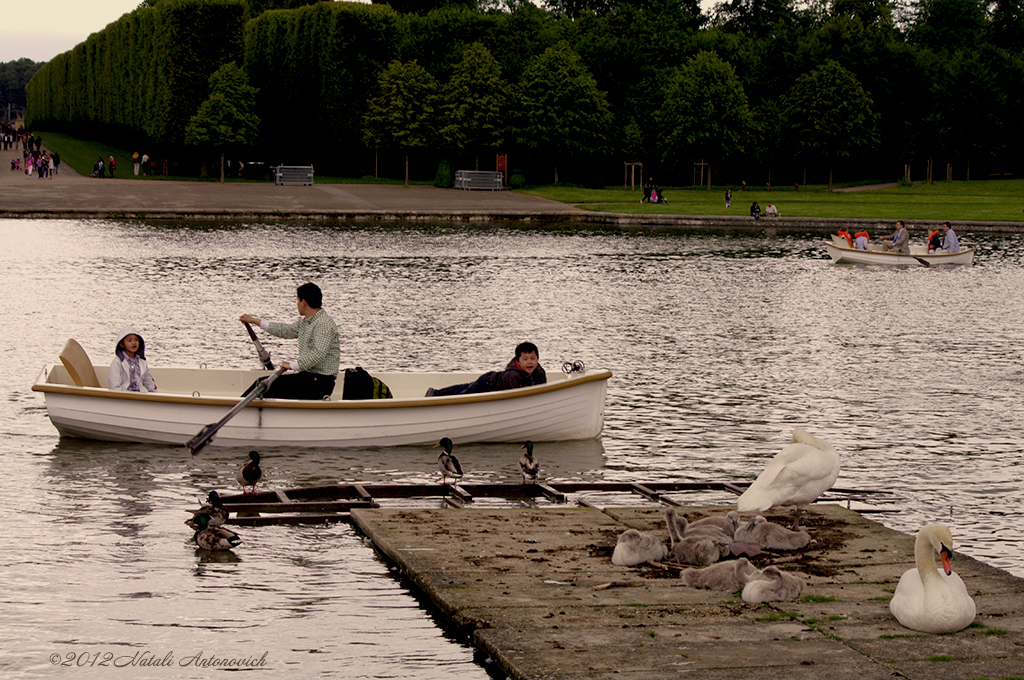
<point>846,235</point>
<point>862,233</point>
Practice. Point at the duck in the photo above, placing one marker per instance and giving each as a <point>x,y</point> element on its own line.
<point>213,509</point>
<point>528,465</point>
<point>796,476</point>
<point>727,576</point>
<point>927,600</point>
<point>250,473</point>
<point>700,547</point>
<point>634,547</point>
<point>772,585</point>
<point>447,463</point>
<point>213,538</point>
<point>771,536</point>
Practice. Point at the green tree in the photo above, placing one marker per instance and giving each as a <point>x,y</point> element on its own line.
<point>474,100</point>
<point>949,25</point>
<point>225,119</point>
<point>560,109</point>
<point>404,111</point>
<point>830,116</point>
<point>705,113</point>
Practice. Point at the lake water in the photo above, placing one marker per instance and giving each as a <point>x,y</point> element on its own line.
<point>720,345</point>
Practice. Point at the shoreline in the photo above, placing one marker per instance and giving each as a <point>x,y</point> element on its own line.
<point>69,195</point>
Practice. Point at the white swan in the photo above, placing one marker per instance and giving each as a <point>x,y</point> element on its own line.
<point>703,546</point>
<point>927,600</point>
<point>729,576</point>
<point>773,585</point>
<point>772,536</point>
<point>797,475</point>
<point>635,548</point>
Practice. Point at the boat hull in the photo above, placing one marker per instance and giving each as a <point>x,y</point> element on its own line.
<point>565,408</point>
<point>847,255</point>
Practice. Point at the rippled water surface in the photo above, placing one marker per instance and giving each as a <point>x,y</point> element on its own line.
<point>720,345</point>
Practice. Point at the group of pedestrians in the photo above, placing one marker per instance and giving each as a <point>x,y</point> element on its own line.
<point>41,163</point>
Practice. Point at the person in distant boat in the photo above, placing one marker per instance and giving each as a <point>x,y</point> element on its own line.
<point>860,240</point>
<point>845,234</point>
<point>950,242</point>
<point>319,349</point>
<point>899,241</point>
<point>771,211</point>
<point>523,371</point>
<point>129,370</point>
<point>934,240</point>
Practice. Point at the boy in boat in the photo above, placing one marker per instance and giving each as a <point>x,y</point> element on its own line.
<point>129,370</point>
<point>523,371</point>
<point>319,349</point>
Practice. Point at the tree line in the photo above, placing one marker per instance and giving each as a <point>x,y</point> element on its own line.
<point>762,91</point>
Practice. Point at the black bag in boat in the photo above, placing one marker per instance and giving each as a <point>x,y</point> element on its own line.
<point>361,385</point>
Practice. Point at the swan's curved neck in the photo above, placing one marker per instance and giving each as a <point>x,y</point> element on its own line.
<point>924,557</point>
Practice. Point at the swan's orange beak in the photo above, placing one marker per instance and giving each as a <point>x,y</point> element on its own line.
<point>946,554</point>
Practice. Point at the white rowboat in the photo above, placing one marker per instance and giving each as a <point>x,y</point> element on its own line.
<point>566,407</point>
<point>841,253</point>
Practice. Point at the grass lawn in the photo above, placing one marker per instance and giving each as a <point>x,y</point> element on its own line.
<point>988,200</point>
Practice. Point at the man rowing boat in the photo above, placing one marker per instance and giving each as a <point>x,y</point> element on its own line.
<point>319,349</point>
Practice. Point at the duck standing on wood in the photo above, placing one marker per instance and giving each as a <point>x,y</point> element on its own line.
<point>447,463</point>
<point>926,599</point>
<point>528,465</point>
<point>212,538</point>
<point>250,473</point>
<point>796,476</point>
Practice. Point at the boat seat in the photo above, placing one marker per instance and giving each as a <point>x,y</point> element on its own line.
<point>76,361</point>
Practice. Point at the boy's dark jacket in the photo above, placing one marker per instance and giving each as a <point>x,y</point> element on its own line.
<point>513,377</point>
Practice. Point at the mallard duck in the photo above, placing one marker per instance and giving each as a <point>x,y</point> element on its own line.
<point>772,536</point>
<point>213,538</point>
<point>796,476</point>
<point>250,473</point>
<point>727,576</point>
<point>927,600</point>
<point>635,548</point>
<point>213,509</point>
<point>447,463</point>
<point>773,585</point>
<point>528,465</point>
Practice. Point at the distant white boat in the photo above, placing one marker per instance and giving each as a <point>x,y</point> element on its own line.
<point>566,407</point>
<point>841,252</point>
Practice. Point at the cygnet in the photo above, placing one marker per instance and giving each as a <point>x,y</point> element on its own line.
<point>773,585</point>
<point>701,547</point>
<point>771,536</point>
<point>635,548</point>
<point>729,576</point>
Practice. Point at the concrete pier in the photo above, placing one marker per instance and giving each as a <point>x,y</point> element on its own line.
<point>530,585</point>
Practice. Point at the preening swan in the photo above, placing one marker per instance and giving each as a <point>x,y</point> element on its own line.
<point>927,600</point>
<point>729,576</point>
<point>701,547</point>
<point>773,585</point>
<point>797,475</point>
<point>771,536</point>
<point>635,548</point>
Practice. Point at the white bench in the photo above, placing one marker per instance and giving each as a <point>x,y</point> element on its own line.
<point>487,180</point>
<point>293,174</point>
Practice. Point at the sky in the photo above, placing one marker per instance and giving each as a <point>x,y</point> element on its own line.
<point>42,29</point>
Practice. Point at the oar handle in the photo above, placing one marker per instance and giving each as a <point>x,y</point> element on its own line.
<point>264,354</point>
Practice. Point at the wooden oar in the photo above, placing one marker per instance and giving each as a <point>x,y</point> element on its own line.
<point>923,261</point>
<point>264,354</point>
<point>205,436</point>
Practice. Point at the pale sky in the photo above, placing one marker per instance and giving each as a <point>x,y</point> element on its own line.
<point>42,29</point>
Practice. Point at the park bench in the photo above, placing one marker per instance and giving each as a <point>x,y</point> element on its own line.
<point>488,180</point>
<point>293,174</point>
